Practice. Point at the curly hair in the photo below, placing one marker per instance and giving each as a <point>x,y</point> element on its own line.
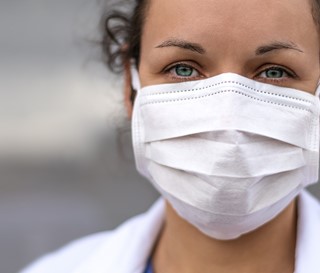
<point>316,12</point>
<point>122,32</point>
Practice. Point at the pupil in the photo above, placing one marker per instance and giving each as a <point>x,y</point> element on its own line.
<point>184,71</point>
<point>274,73</point>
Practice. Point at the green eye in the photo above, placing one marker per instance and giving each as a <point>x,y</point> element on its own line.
<point>275,73</point>
<point>184,71</point>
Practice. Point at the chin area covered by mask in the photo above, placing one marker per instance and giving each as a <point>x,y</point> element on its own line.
<point>228,153</point>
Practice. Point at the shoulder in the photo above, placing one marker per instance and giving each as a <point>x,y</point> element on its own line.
<point>113,244</point>
<point>68,257</point>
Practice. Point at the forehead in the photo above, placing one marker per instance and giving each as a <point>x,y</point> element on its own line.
<point>225,21</point>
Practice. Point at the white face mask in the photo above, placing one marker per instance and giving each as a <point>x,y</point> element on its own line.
<point>227,152</point>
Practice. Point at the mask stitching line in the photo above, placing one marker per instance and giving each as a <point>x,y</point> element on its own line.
<point>220,92</point>
<point>217,84</point>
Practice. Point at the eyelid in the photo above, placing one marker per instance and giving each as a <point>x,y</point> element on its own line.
<point>290,73</point>
<point>265,67</point>
<point>185,63</point>
<point>194,66</point>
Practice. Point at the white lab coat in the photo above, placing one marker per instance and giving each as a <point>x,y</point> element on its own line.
<point>127,248</point>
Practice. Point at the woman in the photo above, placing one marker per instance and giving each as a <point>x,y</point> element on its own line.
<point>226,126</point>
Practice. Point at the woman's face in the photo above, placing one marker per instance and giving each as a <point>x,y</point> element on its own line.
<point>273,41</point>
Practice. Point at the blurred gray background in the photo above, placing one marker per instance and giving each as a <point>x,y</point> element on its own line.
<point>66,162</point>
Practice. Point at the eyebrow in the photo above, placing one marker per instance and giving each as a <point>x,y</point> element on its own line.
<point>277,45</point>
<point>182,44</point>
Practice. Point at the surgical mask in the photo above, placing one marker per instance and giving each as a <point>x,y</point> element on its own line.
<point>228,153</point>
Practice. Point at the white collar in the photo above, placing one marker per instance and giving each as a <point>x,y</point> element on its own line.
<point>308,235</point>
<point>127,249</point>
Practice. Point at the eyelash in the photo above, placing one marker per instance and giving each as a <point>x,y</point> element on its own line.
<point>288,72</point>
<point>181,78</point>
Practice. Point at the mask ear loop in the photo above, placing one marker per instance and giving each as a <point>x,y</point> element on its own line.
<point>317,94</point>
<point>135,79</point>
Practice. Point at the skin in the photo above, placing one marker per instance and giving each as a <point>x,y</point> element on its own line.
<point>255,39</point>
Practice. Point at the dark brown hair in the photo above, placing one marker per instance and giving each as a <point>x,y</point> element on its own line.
<point>316,12</point>
<point>122,31</point>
